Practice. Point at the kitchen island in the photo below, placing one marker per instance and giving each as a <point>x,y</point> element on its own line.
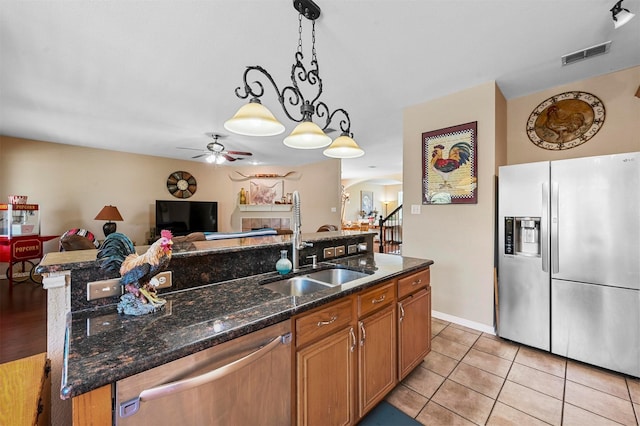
<point>102,347</point>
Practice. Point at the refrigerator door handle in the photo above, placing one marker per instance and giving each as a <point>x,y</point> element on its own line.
<point>544,225</point>
<point>555,259</point>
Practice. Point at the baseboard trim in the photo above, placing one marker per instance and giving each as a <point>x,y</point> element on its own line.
<point>464,322</point>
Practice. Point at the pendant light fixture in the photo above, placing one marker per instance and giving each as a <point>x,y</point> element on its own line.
<point>620,15</point>
<point>254,119</point>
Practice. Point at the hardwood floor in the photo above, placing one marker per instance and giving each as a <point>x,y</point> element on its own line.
<point>23,320</point>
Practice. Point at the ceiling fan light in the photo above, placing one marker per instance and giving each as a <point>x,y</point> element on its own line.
<point>344,147</point>
<point>307,135</point>
<point>254,119</point>
<point>211,158</point>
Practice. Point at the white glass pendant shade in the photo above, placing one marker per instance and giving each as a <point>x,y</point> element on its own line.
<point>622,18</point>
<point>344,147</point>
<point>307,135</point>
<point>254,119</point>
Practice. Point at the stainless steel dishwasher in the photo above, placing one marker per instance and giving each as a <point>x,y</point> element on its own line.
<point>246,381</point>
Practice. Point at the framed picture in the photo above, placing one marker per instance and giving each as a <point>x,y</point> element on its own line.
<point>366,202</point>
<point>265,191</point>
<point>449,165</point>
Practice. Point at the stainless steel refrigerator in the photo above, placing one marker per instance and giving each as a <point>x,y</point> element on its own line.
<point>569,258</point>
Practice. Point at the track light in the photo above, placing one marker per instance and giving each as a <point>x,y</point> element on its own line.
<point>620,15</point>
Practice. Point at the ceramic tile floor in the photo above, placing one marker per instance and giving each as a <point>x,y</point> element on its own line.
<point>470,377</point>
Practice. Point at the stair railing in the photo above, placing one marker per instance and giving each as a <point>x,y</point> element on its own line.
<point>391,232</point>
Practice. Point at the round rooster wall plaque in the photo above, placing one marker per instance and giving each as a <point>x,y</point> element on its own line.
<point>566,120</point>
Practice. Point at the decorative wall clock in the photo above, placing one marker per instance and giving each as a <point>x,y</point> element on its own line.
<point>181,184</point>
<point>566,120</point>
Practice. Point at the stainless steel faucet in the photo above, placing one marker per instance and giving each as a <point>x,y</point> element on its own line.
<point>298,244</point>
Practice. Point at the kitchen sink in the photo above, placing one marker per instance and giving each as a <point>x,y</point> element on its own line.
<point>296,286</point>
<point>336,276</point>
<point>314,281</point>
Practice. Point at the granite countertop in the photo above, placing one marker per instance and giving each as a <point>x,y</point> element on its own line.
<point>103,346</point>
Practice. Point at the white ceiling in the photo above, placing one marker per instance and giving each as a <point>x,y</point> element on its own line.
<point>149,76</point>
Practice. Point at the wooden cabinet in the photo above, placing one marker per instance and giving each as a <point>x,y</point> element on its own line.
<point>376,345</point>
<point>93,408</point>
<point>25,390</point>
<point>376,357</point>
<point>325,365</point>
<point>414,321</point>
<point>349,354</point>
<point>325,375</point>
<point>344,367</point>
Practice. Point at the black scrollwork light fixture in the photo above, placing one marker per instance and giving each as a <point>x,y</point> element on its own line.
<point>620,15</point>
<point>254,119</point>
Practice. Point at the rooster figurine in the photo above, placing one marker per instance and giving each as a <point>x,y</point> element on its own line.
<point>459,154</point>
<point>136,271</point>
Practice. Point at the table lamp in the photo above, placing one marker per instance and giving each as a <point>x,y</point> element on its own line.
<point>109,213</point>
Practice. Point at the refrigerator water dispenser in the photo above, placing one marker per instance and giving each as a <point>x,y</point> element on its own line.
<point>522,236</point>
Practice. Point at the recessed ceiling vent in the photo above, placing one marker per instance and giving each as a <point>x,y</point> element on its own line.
<point>587,53</point>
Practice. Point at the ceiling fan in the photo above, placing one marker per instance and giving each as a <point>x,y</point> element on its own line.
<point>216,152</point>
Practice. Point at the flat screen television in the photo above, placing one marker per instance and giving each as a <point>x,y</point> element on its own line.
<point>185,217</point>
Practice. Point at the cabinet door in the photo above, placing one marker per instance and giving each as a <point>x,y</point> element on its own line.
<point>377,358</point>
<point>414,331</point>
<point>326,380</point>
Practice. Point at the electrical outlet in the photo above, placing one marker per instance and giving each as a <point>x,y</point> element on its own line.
<point>328,253</point>
<point>165,279</point>
<point>103,288</point>
<point>333,210</point>
<point>415,208</point>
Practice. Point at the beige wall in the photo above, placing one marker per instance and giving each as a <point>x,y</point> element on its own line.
<point>620,132</point>
<point>459,238</point>
<point>381,193</point>
<point>72,184</point>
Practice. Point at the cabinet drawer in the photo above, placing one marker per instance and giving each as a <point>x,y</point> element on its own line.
<point>376,298</point>
<point>320,323</point>
<point>413,282</point>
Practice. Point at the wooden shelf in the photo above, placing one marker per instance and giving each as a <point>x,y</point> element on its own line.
<point>265,207</point>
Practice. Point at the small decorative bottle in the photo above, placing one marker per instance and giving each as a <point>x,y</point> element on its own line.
<point>243,196</point>
<point>283,265</point>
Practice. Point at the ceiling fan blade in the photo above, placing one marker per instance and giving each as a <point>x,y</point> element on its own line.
<point>198,156</point>
<point>239,153</point>
<point>192,149</point>
<point>228,157</point>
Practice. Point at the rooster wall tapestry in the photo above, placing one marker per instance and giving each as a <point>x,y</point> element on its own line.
<point>449,170</point>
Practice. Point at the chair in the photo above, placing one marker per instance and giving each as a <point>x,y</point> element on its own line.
<point>78,239</point>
